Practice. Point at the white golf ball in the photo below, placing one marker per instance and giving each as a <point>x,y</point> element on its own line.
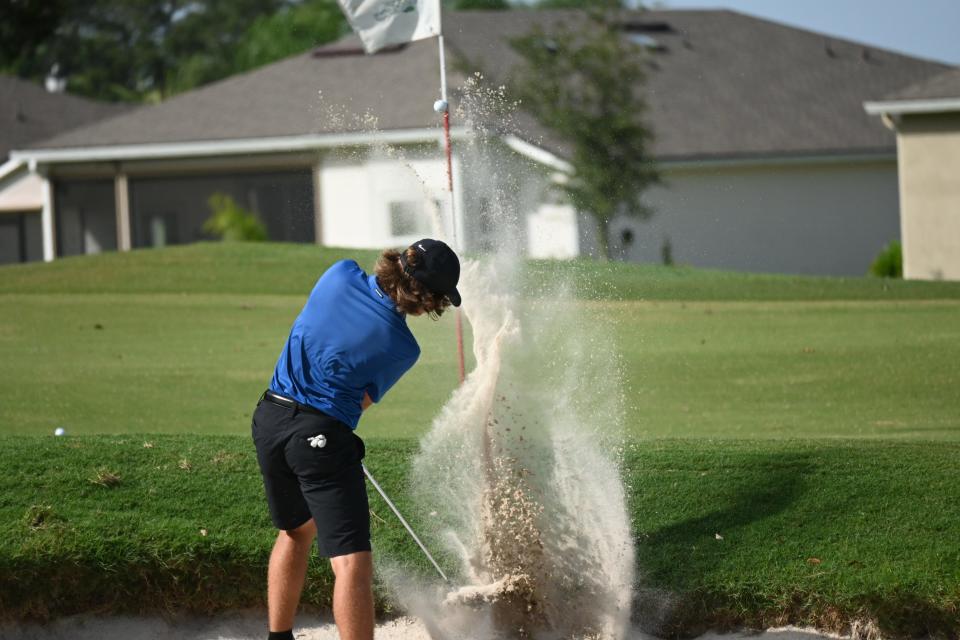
<point>440,106</point>
<point>60,431</point>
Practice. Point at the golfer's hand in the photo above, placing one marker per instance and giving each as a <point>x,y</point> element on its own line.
<point>366,401</point>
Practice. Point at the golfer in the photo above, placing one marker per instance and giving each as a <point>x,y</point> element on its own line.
<point>346,349</point>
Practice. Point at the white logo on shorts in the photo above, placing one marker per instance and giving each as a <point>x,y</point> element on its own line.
<point>318,442</point>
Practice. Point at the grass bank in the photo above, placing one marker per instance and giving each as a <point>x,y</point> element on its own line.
<point>291,269</point>
<point>727,532</point>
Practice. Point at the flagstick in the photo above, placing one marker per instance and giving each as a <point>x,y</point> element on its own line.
<point>453,200</point>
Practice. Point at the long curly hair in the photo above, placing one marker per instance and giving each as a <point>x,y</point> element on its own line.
<point>410,295</point>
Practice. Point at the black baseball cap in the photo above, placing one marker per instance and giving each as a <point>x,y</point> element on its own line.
<point>438,268</point>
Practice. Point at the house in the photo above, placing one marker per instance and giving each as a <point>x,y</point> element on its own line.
<point>769,161</point>
<point>29,114</point>
<point>926,118</point>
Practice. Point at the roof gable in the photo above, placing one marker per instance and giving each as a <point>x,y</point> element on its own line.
<point>942,86</point>
<point>29,113</point>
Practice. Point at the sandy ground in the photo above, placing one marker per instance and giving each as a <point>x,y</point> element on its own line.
<point>247,626</point>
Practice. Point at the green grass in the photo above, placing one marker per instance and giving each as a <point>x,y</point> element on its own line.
<point>185,363</point>
<point>173,363</point>
<point>254,268</point>
<point>880,518</point>
<point>800,418</point>
<point>185,527</point>
<point>185,339</point>
<point>811,532</point>
<point>271,268</point>
<point>795,370</point>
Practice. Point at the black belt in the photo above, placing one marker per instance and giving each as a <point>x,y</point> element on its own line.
<point>290,403</point>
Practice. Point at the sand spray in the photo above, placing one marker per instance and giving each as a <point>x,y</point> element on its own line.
<point>520,469</point>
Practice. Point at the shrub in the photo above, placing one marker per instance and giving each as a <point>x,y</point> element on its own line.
<point>231,222</point>
<point>889,262</point>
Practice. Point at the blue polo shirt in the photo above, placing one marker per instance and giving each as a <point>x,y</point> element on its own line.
<point>349,339</point>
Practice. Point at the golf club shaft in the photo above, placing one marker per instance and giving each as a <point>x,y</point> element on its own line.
<point>393,508</point>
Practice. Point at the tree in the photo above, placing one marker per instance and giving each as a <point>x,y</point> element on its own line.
<point>289,31</point>
<point>108,50</point>
<point>144,49</point>
<point>207,38</point>
<point>584,83</point>
<point>24,26</point>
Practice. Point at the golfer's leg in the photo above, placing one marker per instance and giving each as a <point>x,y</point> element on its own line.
<point>353,595</point>
<point>288,570</point>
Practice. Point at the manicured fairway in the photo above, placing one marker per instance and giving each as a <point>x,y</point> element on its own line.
<point>171,363</point>
<point>120,349</point>
<point>793,369</point>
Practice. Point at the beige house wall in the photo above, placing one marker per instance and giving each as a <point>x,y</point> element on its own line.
<point>22,193</point>
<point>929,157</point>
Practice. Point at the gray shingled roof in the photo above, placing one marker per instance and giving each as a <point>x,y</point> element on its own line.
<point>29,113</point>
<point>315,92</point>
<point>944,85</point>
<point>725,84</point>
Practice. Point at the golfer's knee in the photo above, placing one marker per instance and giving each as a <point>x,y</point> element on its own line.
<point>302,535</point>
<point>355,566</point>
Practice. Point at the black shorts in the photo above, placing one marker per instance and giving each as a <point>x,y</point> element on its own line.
<point>305,476</point>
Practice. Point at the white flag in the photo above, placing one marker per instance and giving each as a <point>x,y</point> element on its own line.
<point>381,23</point>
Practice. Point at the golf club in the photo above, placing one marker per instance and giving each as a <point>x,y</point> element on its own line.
<point>393,508</point>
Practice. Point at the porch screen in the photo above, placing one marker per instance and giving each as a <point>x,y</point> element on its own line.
<point>172,210</point>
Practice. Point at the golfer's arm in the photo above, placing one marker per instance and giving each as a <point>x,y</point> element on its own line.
<point>366,401</point>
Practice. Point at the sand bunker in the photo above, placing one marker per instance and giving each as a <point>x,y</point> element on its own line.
<point>250,626</point>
